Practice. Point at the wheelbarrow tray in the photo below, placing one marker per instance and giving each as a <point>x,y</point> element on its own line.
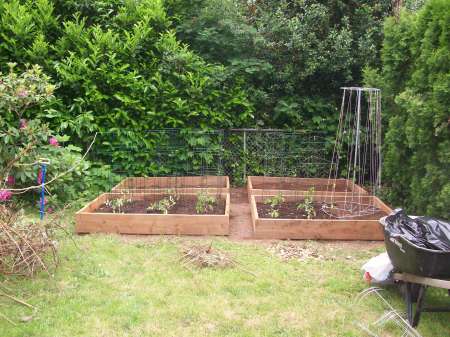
<point>406,257</point>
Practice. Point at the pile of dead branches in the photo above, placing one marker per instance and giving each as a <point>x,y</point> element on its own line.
<point>205,256</point>
<point>293,251</point>
<point>26,245</point>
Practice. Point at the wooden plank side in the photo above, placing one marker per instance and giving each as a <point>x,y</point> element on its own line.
<point>139,196</point>
<point>165,190</point>
<point>367,199</point>
<point>132,183</point>
<point>152,224</point>
<point>318,229</point>
<point>269,192</point>
<point>433,282</point>
<point>381,205</point>
<point>254,181</point>
<point>306,181</point>
<point>253,211</point>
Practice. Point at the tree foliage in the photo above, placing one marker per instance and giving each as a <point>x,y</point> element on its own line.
<point>415,77</point>
<point>118,66</point>
<point>293,55</point>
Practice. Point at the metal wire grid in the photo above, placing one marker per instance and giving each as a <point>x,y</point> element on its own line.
<point>237,153</point>
<point>276,153</point>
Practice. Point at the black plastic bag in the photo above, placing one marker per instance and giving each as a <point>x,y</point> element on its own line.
<point>424,232</point>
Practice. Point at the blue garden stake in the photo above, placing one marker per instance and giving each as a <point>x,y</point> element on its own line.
<point>42,208</point>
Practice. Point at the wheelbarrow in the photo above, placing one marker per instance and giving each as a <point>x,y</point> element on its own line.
<point>416,268</point>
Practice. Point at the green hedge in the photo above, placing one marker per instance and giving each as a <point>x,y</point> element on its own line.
<point>118,66</point>
<point>415,78</point>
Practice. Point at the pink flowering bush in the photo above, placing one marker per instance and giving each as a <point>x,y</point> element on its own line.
<point>5,195</point>
<point>22,123</point>
<point>53,141</point>
<point>22,91</point>
<point>29,246</point>
<point>24,142</point>
<point>10,181</point>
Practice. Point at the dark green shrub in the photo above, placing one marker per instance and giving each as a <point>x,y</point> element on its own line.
<point>293,55</point>
<point>416,82</point>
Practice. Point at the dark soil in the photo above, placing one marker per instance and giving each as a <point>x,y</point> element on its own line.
<point>184,205</point>
<point>300,186</point>
<point>288,210</point>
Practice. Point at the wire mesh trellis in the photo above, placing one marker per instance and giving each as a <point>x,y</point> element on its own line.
<point>282,153</point>
<point>236,153</point>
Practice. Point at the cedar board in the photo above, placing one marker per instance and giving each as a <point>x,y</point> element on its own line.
<point>251,180</point>
<point>183,184</point>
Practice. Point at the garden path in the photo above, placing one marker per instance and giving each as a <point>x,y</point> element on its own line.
<point>240,216</point>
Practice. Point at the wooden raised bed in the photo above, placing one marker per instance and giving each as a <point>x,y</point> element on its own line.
<point>262,185</point>
<point>88,220</point>
<point>182,184</point>
<point>313,229</point>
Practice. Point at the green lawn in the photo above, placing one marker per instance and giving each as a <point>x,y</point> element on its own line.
<point>114,286</point>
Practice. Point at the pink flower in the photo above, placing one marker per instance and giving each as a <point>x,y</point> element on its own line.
<point>53,142</point>
<point>5,195</point>
<point>50,210</point>
<point>22,93</point>
<point>10,180</point>
<point>22,123</point>
<point>39,177</point>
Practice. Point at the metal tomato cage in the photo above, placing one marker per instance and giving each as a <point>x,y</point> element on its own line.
<point>358,148</point>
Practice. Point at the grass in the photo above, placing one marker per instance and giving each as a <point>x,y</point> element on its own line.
<point>113,286</point>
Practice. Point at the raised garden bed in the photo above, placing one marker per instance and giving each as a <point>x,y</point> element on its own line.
<point>183,184</point>
<point>132,215</point>
<point>292,223</point>
<point>262,185</point>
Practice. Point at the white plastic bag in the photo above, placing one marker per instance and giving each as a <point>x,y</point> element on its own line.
<point>378,268</point>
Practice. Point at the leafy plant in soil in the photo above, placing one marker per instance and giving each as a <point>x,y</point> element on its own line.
<point>274,203</point>
<point>165,204</point>
<point>205,202</point>
<point>307,205</point>
<point>117,205</point>
<point>274,213</point>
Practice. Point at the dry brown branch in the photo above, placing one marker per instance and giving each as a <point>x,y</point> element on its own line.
<point>15,299</point>
<point>26,246</point>
<point>205,256</point>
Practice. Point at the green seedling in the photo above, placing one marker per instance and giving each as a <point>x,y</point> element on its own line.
<point>274,202</point>
<point>117,205</point>
<point>165,204</point>
<point>307,205</point>
<point>205,202</point>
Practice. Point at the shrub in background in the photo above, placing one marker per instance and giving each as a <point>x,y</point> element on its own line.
<point>118,66</point>
<point>293,55</point>
<point>416,96</point>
